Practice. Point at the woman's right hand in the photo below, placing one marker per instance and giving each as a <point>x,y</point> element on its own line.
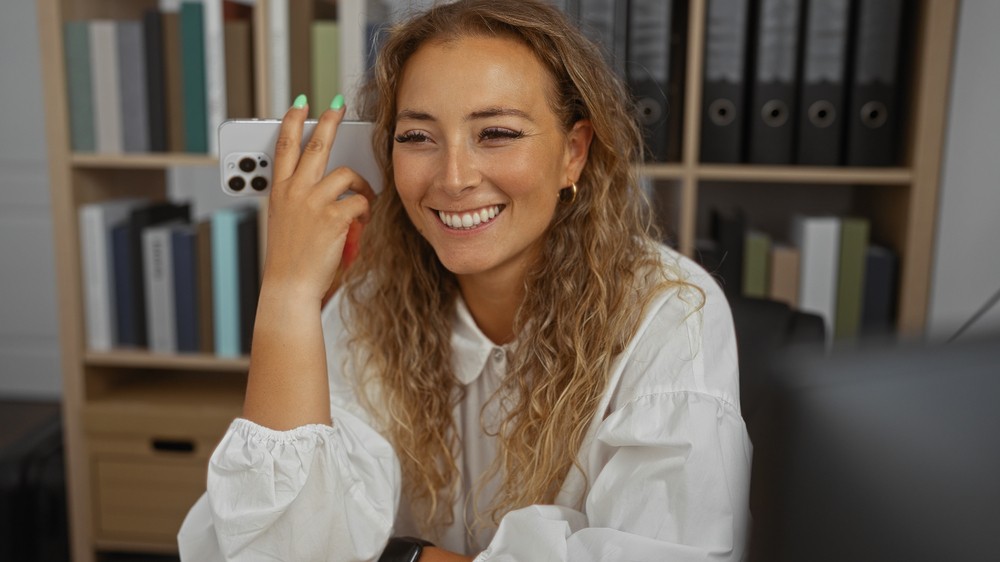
<point>308,222</point>
<point>308,226</point>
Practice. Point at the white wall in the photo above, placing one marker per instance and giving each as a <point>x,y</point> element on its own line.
<point>967,253</point>
<point>29,345</point>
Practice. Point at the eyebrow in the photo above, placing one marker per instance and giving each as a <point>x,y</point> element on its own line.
<point>410,114</point>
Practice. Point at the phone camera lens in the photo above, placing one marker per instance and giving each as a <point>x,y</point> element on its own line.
<point>237,183</point>
<point>247,164</point>
<point>263,163</point>
<point>259,183</point>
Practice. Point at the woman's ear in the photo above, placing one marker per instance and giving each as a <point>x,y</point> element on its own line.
<point>577,149</point>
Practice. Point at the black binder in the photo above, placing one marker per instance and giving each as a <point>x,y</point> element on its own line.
<point>771,117</point>
<point>655,73</point>
<point>606,22</point>
<point>822,90</point>
<point>724,96</point>
<point>873,124</point>
<point>729,232</point>
<point>249,271</point>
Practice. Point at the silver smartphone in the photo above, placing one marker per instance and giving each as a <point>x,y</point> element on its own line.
<point>246,153</point>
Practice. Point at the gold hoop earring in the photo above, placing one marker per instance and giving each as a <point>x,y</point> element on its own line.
<point>568,194</point>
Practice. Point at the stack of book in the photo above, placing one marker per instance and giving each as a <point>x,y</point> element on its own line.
<point>160,84</point>
<point>827,265</point>
<point>155,279</point>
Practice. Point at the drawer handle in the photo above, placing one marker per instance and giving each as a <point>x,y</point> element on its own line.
<point>173,445</point>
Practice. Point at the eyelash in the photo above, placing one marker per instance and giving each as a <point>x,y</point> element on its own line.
<point>490,133</point>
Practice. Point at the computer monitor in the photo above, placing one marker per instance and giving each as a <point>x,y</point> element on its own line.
<point>881,455</point>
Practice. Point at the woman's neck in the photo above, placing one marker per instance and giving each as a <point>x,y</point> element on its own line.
<point>493,301</point>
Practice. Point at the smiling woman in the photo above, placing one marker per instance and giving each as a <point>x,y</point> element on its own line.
<point>515,367</point>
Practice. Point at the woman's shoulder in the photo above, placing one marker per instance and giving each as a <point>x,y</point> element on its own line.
<point>686,341</point>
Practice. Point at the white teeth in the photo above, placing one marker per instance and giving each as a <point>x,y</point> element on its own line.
<point>469,219</point>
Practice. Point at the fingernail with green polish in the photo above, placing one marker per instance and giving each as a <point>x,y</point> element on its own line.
<point>300,101</point>
<point>338,102</point>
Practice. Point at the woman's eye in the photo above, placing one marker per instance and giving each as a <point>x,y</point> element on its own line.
<point>492,133</point>
<point>411,136</point>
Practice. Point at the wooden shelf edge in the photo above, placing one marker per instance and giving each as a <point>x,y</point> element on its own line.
<point>804,174</point>
<point>148,360</point>
<point>151,161</point>
<point>661,171</point>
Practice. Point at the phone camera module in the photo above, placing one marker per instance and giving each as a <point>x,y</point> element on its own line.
<point>247,164</point>
<point>236,183</point>
<point>259,183</point>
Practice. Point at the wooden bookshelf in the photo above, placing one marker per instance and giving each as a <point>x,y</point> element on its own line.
<point>205,389</point>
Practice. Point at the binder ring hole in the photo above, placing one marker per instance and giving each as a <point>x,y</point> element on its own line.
<point>774,113</point>
<point>722,112</point>
<point>874,114</point>
<point>650,112</point>
<point>822,114</point>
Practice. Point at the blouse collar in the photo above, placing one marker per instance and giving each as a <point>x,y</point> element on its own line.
<point>470,347</point>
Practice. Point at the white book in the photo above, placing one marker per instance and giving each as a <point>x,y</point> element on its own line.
<point>107,97</point>
<point>96,221</point>
<point>161,321</point>
<point>279,58</point>
<point>818,239</point>
<point>215,71</point>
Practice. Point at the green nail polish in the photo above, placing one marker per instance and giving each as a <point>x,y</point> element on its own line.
<point>300,101</point>
<point>338,102</point>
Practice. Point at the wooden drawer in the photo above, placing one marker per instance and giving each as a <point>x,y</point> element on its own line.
<point>148,467</point>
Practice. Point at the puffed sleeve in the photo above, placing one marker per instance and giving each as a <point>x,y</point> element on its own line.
<point>669,465</point>
<point>316,492</point>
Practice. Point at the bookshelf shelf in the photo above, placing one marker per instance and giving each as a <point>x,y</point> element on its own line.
<point>805,175</point>
<point>197,391</point>
<point>143,359</point>
<point>141,161</point>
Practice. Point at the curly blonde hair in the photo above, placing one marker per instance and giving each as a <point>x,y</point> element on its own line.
<point>585,296</point>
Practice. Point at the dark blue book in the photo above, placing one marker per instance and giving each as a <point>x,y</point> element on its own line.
<point>121,256</point>
<point>879,300</point>
<point>249,276</point>
<point>184,243</point>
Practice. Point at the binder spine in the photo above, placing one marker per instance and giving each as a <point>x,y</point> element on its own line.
<point>723,103</point>
<point>822,94</point>
<point>771,120</point>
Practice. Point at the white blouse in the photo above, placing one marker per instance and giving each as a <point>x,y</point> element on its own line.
<point>666,460</point>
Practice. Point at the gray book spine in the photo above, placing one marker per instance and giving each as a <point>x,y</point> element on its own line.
<point>132,86</point>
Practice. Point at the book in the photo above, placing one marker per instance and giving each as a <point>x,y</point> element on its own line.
<point>97,264</point>
<point>173,80</point>
<point>325,64</point>
<point>206,311</point>
<point>132,84</point>
<point>818,240</point>
<point>161,314</point>
<point>247,235</point>
<point>139,220</point>
<point>239,69</point>
<point>850,277</point>
<point>302,15</point>
<point>106,92</point>
<point>185,263</point>
<point>79,88</point>
<point>124,297</point>
<point>756,263</point>
<point>783,284</point>
<point>192,43</point>
<point>225,280</point>
<point>728,230</point>
<point>152,29</point>
<point>878,307</point>
<point>279,61</point>
<point>215,71</point>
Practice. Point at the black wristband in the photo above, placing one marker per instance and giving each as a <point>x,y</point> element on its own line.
<point>403,549</point>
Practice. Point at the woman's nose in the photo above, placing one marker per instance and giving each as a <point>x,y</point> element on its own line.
<point>459,171</point>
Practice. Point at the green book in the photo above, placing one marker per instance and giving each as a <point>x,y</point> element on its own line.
<point>192,31</point>
<point>79,87</point>
<point>325,64</point>
<point>756,263</point>
<point>850,278</point>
